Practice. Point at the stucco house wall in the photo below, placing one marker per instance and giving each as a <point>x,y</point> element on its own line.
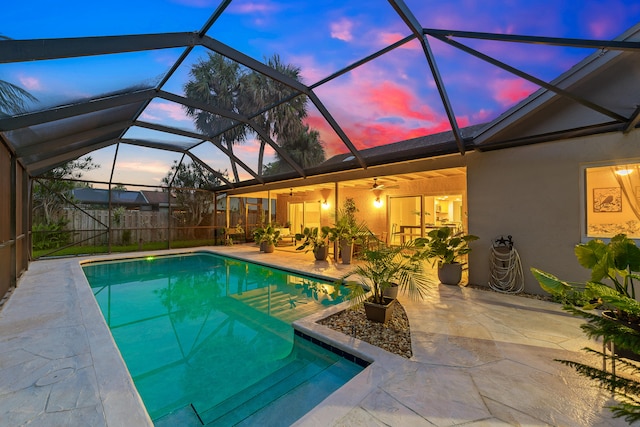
<point>534,194</point>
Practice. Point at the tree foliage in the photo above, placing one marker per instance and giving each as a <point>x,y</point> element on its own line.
<point>13,99</point>
<point>187,183</point>
<point>223,84</point>
<point>51,188</point>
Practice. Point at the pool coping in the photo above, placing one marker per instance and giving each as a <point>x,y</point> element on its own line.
<point>113,375</point>
<point>469,348</point>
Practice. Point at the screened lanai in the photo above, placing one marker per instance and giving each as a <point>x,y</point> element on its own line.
<point>101,82</point>
<point>269,96</point>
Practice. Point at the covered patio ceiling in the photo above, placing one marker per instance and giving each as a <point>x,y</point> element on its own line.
<point>329,182</point>
<point>137,108</point>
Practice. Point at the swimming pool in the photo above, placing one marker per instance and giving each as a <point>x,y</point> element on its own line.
<point>208,338</point>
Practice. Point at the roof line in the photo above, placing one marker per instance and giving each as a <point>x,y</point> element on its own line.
<point>577,73</point>
<point>591,105</point>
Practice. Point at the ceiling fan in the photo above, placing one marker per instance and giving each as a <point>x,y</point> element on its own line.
<point>377,186</point>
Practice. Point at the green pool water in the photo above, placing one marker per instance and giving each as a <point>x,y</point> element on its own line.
<point>209,338</point>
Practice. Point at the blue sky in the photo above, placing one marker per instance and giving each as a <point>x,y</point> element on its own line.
<point>390,99</point>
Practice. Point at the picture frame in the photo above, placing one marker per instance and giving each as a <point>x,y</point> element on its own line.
<point>607,199</point>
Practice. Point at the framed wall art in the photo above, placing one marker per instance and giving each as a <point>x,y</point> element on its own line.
<point>607,199</point>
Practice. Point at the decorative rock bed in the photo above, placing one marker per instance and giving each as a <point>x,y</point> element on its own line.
<point>393,336</point>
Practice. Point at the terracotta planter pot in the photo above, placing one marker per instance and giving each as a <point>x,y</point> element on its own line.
<point>450,274</point>
<point>379,312</point>
<point>269,248</point>
<point>263,245</point>
<point>321,253</point>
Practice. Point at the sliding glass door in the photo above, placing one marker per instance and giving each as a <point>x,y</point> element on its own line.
<point>304,214</point>
<point>415,216</point>
<point>405,215</point>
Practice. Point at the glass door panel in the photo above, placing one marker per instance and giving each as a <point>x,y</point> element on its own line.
<point>447,211</point>
<point>312,214</point>
<point>296,217</point>
<point>405,215</point>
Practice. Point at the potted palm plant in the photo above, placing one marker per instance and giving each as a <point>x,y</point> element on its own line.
<point>380,270</point>
<point>614,267</point>
<point>446,247</point>
<point>316,240</point>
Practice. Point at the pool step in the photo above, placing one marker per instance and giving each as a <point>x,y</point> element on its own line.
<point>183,417</point>
<point>288,393</point>
<point>290,407</point>
<point>278,304</point>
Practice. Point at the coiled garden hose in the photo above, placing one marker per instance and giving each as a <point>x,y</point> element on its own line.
<point>505,267</point>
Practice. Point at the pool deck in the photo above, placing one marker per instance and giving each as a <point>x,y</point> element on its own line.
<point>479,359</point>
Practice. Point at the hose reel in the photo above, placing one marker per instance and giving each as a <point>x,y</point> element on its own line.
<point>505,267</point>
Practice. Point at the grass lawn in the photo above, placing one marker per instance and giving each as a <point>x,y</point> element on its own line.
<point>102,249</point>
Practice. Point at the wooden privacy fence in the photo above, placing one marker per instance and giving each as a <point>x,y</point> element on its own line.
<point>131,227</point>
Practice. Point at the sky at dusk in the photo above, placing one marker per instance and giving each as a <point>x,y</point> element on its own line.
<point>389,99</point>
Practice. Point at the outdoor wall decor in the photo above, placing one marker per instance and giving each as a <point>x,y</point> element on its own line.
<point>607,199</point>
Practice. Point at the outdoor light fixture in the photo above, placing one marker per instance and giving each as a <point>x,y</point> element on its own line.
<point>624,172</point>
<point>325,197</point>
<point>378,201</point>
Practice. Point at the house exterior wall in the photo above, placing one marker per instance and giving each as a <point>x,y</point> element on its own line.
<point>534,194</point>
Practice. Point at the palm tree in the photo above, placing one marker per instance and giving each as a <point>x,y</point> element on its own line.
<point>13,98</point>
<point>221,82</point>
<point>305,149</point>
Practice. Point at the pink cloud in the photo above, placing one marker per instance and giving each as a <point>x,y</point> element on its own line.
<point>379,133</point>
<point>341,30</point>
<point>388,38</point>
<point>30,83</point>
<point>374,110</point>
<point>150,166</point>
<point>480,116</point>
<point>603,27</point>
<point>159,110</point>
<point>310,70</point>
<point>332,143</point>
<point>509,91</point>
<point>149,117</point>
<point>393,99</point>
<point>253,7</point>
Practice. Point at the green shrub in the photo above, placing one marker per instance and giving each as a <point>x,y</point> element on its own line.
<point>50,236</point>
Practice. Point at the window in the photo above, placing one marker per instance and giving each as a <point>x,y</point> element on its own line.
<point>612,196</point>
<point>405,213</point>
